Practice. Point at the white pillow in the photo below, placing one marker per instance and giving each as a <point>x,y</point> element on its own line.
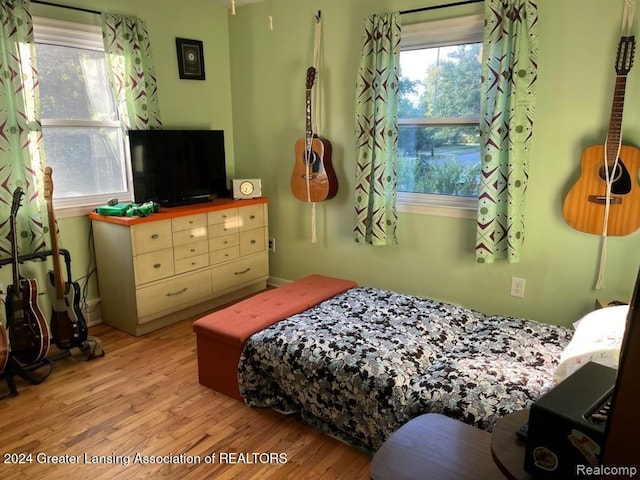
<point>597,338</point>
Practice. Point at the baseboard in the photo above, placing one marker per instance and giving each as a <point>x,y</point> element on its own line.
<point>277,282</point>
<point>91,312</point>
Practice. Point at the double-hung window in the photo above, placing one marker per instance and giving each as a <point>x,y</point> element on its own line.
<point>83,140</point>
<point>438,117</point>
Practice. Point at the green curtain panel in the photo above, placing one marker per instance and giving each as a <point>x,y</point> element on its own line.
<point>133,78</point>
<point>376,122</point>
<point>21,148</point>
<point>509,73</point>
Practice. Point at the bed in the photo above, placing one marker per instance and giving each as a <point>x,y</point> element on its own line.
<point>364,362</point>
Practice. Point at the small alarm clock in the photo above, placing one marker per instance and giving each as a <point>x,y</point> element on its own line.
<point>244,188</point>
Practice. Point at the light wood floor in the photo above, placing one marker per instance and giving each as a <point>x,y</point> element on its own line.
<point>143,397</point>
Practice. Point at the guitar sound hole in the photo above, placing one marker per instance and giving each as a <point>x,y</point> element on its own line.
<point>312,159</point>
<point>619,177</point>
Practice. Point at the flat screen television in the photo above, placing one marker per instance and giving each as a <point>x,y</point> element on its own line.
<point>177,167</point>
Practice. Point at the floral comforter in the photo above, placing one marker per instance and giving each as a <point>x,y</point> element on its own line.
<point>363,363</point>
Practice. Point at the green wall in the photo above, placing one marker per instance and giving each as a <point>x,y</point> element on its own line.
<point>435,256</point>
<point>183,103</point>
<point>255,92</point>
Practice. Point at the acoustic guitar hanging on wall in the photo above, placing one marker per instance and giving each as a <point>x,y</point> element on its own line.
<point>313,178</point>
<point>605,200</point>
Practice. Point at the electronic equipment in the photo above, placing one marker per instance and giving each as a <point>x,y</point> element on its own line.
<point>244,188</point>
<point>175,167</point>
<point>567,425</point>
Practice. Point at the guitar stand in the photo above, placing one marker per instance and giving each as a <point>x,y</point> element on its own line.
<point>14,367</point>
<point>91,348</point>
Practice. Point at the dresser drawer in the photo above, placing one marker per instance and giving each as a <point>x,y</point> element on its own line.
<point>228,217</point>
<point>192,263</point>
<point>190,250</point>
<point>224,241</point>
<point>153,266</point>
<point>190,221</point>
<point>244,270</point>
<point>251,217</point>
<point>224,255</point>
<point>221,229</point>
<point>152,236</point>
<point>252,241</point>
<point>189,236</point>
<point>173,293</point>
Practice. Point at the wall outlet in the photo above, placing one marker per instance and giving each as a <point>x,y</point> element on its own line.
<point>517,287</point>
<point>272,244</point>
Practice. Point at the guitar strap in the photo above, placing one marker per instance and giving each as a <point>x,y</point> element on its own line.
<point>316,120</point>
<point>628,13</point>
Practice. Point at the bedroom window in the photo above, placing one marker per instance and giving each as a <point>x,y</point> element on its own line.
<point>82,135</point>
<point>438,117</point>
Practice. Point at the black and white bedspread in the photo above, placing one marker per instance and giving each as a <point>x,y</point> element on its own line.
<point>363,363</point>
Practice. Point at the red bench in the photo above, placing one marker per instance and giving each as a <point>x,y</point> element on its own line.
<point>221,336</point>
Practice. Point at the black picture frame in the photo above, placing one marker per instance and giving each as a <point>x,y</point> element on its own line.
<point>190,59</point>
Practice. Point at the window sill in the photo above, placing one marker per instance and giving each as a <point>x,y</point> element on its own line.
<point>437,205</point>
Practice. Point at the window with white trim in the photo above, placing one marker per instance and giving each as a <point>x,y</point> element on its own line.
<point>82,136</point>
<point>438,117</point>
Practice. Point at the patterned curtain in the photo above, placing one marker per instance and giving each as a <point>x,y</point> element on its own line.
<point>509,74</point>
<point>377,131</point>
<point>133,78</point>
<point>21,148</point>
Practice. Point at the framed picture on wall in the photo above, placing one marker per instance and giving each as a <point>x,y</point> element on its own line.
<point>190,59</point>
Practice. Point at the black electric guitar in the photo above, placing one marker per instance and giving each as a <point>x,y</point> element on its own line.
<point>611,164</point>
<point>27,327</point>
<point>68,326</point>
<point>313,178</point>
<point>4,347</point>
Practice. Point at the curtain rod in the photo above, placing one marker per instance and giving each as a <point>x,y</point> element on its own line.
<point>435,7</point>
<point>79,9</point>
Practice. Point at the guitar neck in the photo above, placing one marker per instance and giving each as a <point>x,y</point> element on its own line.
<point>309,128</point>
<point>14,254</point>
<point>55,253</point>
<point>614,135</point>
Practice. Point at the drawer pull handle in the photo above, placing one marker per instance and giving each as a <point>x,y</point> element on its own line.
<point>170,294</point>
<point>157,265</point>
<point>243,271</point>
<point>252,217</point>
<point>253,241</point>
<point>155,236</point>
<point>192,250</point>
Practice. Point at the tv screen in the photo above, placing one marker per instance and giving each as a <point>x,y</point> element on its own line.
<point>176,167</point>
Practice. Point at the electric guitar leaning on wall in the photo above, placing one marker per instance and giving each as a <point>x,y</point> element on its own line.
<point>27,327</point>
<point>606,197</point>
<point>68,326</point>
<point>313,178</point>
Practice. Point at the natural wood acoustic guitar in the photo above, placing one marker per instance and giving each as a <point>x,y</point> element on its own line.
<point>68,326</point>
<point>611,164</point>
<point>313,178</point>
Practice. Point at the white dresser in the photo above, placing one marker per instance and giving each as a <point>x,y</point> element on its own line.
<point>179,262</point>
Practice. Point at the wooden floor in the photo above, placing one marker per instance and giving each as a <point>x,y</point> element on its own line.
<point>143,399</point>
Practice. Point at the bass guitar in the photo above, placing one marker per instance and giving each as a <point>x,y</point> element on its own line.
<point>68,326</point>
<point>607,193</point>
<point>27,327</point>
<point>313,178</point>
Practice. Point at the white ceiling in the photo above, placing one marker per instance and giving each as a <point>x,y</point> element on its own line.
<point>239,3</point>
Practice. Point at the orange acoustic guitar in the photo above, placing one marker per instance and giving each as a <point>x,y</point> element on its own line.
<point>313,178</point>
<point>585,205</point>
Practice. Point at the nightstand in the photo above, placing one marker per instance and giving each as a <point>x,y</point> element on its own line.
<point>433,446</point>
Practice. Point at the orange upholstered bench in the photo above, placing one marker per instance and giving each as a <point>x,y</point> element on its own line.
<point>221,336</point>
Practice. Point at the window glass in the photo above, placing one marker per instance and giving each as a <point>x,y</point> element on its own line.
<point>439,110</point>
<point>82,135</point>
